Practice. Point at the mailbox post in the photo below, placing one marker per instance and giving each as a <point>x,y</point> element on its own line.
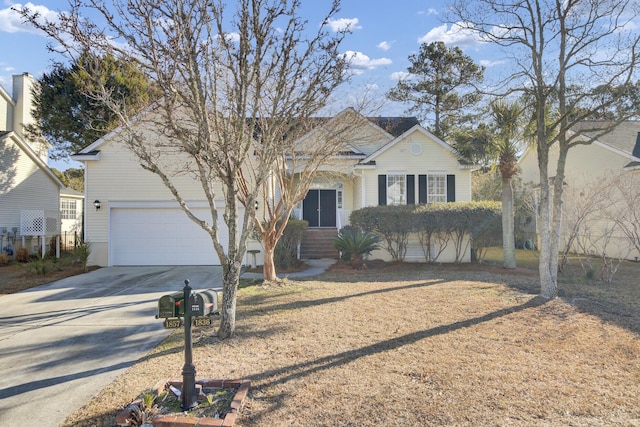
<point>189,397</point>
<point>197,309</point>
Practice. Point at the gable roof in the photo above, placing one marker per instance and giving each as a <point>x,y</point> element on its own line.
<point>394,126</point>
<point>70,193</point>
<point>418,128</point>
<point>26,148</point>
<point>387,127</point>
<point>623,137</point>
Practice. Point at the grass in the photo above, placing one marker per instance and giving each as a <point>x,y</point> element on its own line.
<point>400,345</point>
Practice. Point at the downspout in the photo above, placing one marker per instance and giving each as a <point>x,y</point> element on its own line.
<point>363,187</point>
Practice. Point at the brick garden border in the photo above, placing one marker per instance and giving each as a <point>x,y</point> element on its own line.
<point>229,419</point>
<point>178,420</point>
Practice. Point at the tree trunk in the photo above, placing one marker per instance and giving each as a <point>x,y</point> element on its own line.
<point>269,268</point>
<point>508,228</point>
<point>548,276</point>
<point>230,280</point>
<point>547,268</point>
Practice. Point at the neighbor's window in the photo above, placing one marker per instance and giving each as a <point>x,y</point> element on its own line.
<point>436,188</point>
<point>396,190</point>
<point>68,208</point>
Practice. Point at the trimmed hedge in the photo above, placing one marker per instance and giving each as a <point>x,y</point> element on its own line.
<point>440,224</point>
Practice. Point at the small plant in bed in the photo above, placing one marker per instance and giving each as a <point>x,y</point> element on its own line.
<point>213,402</point>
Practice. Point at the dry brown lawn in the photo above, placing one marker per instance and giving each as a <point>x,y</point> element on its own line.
<point>416,345</point>
<point>16,277</point>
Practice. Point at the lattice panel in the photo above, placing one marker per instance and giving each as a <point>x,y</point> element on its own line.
<point>39,223</point>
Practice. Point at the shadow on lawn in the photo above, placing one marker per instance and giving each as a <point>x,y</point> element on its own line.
<point>284,374</point>
<point>257,299</point>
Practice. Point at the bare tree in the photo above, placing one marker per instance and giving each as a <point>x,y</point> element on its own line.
<point>317,152</point>
<point>234,79</point>
<point>574,60</point>
<point>582,203</point>
<point>597,211</point>
<point>624,207</point>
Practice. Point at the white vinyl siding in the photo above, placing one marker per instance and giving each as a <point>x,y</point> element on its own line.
<point>434,157</point>
<point>24,186</point>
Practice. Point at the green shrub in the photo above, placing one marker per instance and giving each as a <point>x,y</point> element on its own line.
<point>40,266</point>
<point>392,223</point>
<point>355,244</point>
<point>434,225</point>
<point>81,253</point>
<point>285,253</point>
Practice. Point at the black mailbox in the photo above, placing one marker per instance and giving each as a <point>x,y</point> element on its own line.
<point>171,305</point>
<point>204,303</point>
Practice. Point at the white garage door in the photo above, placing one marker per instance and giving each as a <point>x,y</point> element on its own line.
<point>161,236</point>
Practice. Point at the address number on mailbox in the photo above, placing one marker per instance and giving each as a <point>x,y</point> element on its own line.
<point>172,323</point>
<point>202,321</point>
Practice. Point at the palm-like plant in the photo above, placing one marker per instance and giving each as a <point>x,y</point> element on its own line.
<point>354,244</point>
<point>507,121</point>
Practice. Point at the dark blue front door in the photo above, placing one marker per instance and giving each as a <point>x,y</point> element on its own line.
<point>319,208</point>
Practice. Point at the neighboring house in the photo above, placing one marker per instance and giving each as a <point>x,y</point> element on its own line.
<point>29,190</point>
<point>617,152</point>
<point>71,215</point>
<point>391,161</point>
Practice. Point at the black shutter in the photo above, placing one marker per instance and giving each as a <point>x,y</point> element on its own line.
<point>411,189</point>
<point>451,188</point>
<point>382,189</point>
<point>422,188</point>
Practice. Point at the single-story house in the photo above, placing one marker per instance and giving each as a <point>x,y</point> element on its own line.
<point>616,153</point>
<point>136,221</point>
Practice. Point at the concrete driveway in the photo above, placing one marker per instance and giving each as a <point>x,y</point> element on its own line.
<point>61,343</point>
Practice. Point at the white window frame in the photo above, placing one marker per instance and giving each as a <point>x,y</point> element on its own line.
<point>436,190</point>
<point>392,197</point>
<point>70,211</point>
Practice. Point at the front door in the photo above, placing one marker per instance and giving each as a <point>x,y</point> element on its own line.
<point>319,208</point>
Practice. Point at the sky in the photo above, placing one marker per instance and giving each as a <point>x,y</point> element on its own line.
<point>384,34</point>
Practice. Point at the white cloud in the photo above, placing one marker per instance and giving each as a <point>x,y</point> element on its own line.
<point>385,45</point>
<point>430,11</point>
<point>344,24</point>
<point>11,21</point>
<point>372,87</point>
<point>455,35</point>
<point>358,61</point>
<point>399,75</point>
<point>488,64</point>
